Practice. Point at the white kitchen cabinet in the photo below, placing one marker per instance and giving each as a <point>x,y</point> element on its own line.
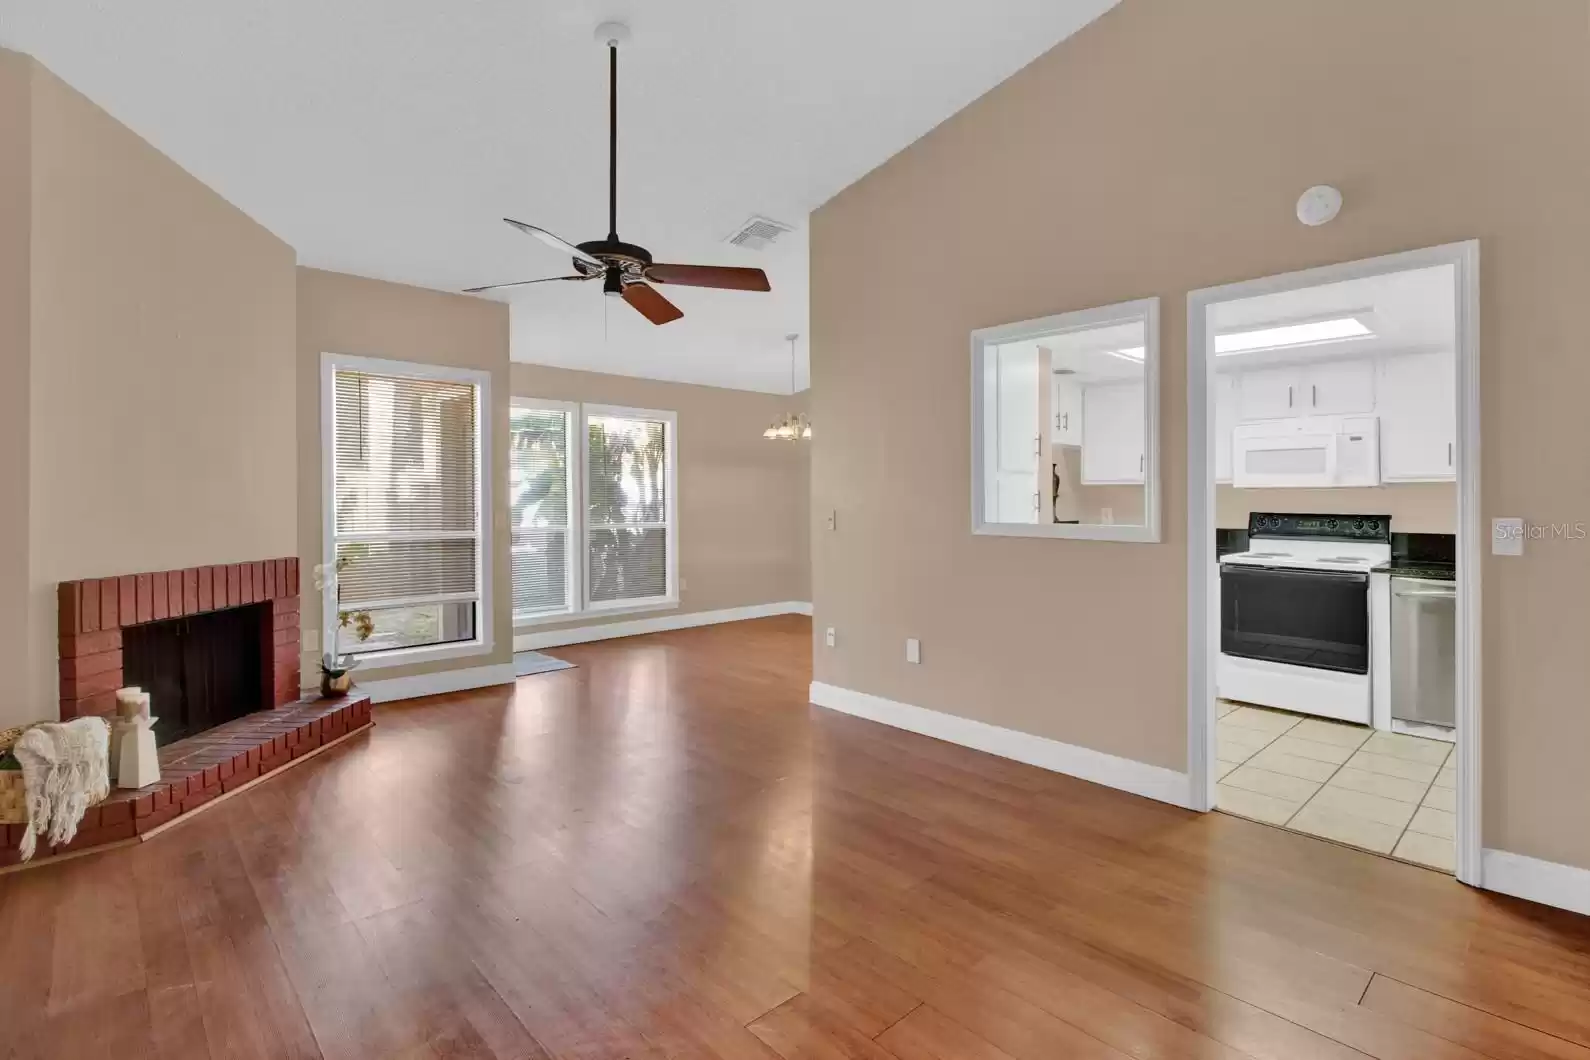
<point>1337,388</point>
<point>1066,411</point>
<point>1225,420</point>
<point>1417,406</point>
<point>1018,436</point>
<point>1269,393</point>
<point>1112,434</point>
<point>1325,388</point>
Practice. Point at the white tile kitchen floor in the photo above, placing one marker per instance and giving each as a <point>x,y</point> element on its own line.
<point>1384,792</point>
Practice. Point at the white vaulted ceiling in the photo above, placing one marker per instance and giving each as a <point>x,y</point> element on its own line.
<point>386,137</point>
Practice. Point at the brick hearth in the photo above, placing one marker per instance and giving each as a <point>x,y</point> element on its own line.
<point>198,769</point>
<point>93,613</point>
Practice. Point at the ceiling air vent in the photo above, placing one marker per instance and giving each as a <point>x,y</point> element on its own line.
<point>759,233</point>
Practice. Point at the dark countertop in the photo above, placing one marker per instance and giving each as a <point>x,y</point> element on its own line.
<point>1404,568</point>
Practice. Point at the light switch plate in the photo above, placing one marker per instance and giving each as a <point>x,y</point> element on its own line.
<point>312,640</point>
<point>829,636</point>
<point>913,650</point>
<point>833,519</point>
<point>1507,537</point>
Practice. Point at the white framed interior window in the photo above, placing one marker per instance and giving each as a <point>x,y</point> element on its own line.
<point>594,509</point>
<point>406,487</point>
<point>1065,425</point>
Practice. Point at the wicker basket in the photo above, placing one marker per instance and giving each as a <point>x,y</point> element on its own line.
<point>13,798</point>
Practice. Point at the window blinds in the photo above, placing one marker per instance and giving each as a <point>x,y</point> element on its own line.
<point>538,469</point>
<point>406,488</point>
<point>626,518</point>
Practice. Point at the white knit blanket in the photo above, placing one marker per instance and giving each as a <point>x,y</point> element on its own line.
<point>66,769</point>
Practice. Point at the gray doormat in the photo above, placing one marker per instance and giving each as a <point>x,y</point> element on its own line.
<point>526,663</point>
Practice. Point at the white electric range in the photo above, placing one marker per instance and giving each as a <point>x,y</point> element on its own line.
<point>1295,614</point>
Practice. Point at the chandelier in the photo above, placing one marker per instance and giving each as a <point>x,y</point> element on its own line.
<point>794,426</point>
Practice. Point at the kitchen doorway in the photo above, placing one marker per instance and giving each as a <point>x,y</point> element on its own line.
<point>1334,542</point>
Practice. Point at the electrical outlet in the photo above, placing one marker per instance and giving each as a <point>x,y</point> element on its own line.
<point>913,650</point>
<point>829,636</point>
<point>833,519</point>
<point>681,585</point>
<point>1107,516</point>
<point>312,640</point>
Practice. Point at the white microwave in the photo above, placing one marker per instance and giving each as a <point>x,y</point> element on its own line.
<point>1310,451</point>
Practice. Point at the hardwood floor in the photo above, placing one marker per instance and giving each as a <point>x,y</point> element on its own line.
<point>667,853</point>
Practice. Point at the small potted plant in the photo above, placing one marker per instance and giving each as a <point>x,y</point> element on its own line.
<point>336,674</point>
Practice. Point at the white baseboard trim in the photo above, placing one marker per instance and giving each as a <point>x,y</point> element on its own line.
<point>555,638</point>
<point>388,689</point>
<point>1546,882</point>
<point>1139,778</point>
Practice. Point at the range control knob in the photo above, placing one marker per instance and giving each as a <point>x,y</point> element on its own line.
<point>1330,524</point>
<point>1358,524</point>
<point>1374,525</point>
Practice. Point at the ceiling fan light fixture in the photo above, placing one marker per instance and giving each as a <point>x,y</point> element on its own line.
<point>624,267</point>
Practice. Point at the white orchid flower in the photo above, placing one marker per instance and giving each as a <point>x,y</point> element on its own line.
<point>325,576</point>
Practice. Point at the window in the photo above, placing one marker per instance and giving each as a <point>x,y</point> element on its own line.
<point>405,526</point>
<point>540,508</point>
<point>592,511</point>
<point>1065,414</point>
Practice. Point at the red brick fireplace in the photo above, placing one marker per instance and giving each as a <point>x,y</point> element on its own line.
<point>94,612</point>
<point>232,755</point>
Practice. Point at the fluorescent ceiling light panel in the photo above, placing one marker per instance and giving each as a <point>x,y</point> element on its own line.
<point>1282,336</point>
<point>1135,354</point>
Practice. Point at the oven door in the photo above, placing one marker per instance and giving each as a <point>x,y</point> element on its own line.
<point>1313,618</point>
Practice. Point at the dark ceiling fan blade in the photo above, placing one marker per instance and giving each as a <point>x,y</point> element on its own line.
<point>725,277</point>
<point>555,243</point>
<point>653,306</point>
<point>525,283</point>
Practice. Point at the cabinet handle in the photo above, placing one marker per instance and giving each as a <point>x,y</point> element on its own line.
<point>1448,454</point>
<point>1140,459</point>
<point>1288,397</point>
<point>1037,501</point>
<point>1313,397</point>
<point>1065,421</point>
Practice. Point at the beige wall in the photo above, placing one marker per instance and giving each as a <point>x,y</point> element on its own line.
<point>743,512</point>
<point>161,369</point>
<point>1158,151</point>
<point>15,223</point>
<point>345,314</point>
<point>1414,507</point>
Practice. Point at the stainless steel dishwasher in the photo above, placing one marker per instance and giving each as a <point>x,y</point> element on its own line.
<point>1424,650</point>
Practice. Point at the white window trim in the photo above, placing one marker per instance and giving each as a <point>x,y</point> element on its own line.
<point>1145,310</point>
<point>579,567</point>
<point>485,424</point>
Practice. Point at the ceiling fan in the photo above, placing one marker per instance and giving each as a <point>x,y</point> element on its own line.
<point>625,268</point>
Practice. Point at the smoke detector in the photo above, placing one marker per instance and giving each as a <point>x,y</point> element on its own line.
<point>759,233</point>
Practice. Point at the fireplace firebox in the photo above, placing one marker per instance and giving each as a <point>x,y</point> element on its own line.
<point>208,643</point>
